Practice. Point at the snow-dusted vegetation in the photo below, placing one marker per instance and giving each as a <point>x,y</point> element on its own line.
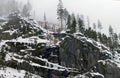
<point>70,49</point>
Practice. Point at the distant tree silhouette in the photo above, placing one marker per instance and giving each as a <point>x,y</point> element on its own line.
<point>26,9</point>
<point>60,13</point>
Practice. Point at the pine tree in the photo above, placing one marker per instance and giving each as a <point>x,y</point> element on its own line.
<point>68,22</point>
<point>45,22</point>
<point>53,28</point>
<point>99,25</point>
<point>88,22</point>
<point>81,25</point>
<point>66,14</point>
<point>26,9</point>
<point>94,35</point>
<point>115,41</point>
<point>111,36</point>
<point>73,24</point>
<point>104,39</point>
<point>60,13</point>
<point>94,26</point>
<point>99,37</point>
<point>109,42</point>
<point>119,36</point>
<point>111,32</point>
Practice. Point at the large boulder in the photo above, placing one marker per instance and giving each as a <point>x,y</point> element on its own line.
<point>80,54</point>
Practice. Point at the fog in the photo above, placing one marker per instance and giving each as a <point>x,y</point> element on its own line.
<point>105,10</point>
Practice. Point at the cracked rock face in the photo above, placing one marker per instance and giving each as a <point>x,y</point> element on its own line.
<point>86,57</point>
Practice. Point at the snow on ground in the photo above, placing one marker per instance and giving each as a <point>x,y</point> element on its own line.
<point>3,43</point>
<point>115,61</point>
<point>96,74</point>
<point>91,73</point>
<point>0,27</point>
<point>79,76</point>
<point>116,58</point>
<point>49,65</point>
<point>13,73</point>
<point>103,61</point>
<point>33,39</point>
<point>35,24</point>
<point>97,44</point>
<point>10,31</point>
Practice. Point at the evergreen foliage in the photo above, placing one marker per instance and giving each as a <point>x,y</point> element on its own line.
<point>69,22</point>
<point>81,25</point>
<point>73,24</point>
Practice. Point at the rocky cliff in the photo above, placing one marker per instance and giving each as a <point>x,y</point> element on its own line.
<point>26,49</point>
<point>92,59</point>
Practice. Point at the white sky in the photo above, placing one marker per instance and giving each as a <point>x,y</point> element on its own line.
<point>108,11</point>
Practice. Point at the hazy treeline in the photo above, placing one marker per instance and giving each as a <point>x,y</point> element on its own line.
<point>9,6</point>
<point>75,24</point>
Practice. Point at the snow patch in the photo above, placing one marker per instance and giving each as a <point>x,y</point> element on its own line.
<point>13,73</point>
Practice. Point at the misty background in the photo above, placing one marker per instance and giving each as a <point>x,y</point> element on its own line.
<point>107,11</point>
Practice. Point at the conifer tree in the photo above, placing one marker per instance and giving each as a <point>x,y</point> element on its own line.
<point>26,9</point>
<point>60,13</point>
<point>68,22</point>
<point>94,26</point>
<point>104,39</point>
<point>94,35</point>
<point>88,22</point>
<point>111,36</point>
<point>111,32</point>
<point>45,22</point>
<point>119,36</point>
<point>81,25</point>
<point>66,14</point>
<point>115,41</point>
<point>99,25</point>
<point>73,24</point>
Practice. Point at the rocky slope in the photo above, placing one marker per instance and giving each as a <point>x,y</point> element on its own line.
<point>29,51</point>
<point>24,46</point>
<point>17,26</point>
<point>90,58</point>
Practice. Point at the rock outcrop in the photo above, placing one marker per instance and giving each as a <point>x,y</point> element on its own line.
<point>24,46</point>
<point>87,55</point>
